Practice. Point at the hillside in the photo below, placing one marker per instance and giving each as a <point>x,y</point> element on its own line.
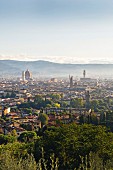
<point>49,69</point>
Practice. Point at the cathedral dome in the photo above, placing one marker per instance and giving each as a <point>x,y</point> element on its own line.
<point>27,75</point>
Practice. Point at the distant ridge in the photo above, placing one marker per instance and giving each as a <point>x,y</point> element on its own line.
<point>75,62</point>
<point>50,69</point>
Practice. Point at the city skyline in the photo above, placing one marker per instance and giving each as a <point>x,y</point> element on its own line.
<point>69,31</point>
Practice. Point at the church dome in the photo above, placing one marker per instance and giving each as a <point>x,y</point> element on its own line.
<point>27,75</point>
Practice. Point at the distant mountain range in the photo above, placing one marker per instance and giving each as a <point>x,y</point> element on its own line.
<point>50,69</point>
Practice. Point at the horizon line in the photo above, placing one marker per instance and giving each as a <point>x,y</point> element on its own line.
<point>77,62</point>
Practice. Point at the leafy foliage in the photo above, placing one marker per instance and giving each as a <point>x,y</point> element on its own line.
<point>43,118</point>
<point>66,147</point>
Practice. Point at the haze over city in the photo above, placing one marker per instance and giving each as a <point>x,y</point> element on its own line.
<point>70,31</point>
<point>56,84</point>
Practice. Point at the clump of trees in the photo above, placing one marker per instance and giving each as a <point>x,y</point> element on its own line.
<point>9,161</point>
<point>71,142</point>
<point>66,147</point>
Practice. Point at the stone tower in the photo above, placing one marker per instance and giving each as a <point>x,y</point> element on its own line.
<point>84,73</point>
<point>71,81</point>
<point>87,97</point>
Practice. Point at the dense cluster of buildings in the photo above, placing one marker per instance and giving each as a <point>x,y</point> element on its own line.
<point>16,92</point>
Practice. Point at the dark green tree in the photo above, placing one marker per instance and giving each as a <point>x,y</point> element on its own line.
<point>43,118</point>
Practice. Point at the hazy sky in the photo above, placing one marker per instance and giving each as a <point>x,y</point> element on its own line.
<point>56,30</point>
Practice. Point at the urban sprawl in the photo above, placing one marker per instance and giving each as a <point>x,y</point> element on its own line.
<point>29,104</point>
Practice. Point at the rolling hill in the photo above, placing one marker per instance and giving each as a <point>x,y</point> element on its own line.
<point>49,69</point>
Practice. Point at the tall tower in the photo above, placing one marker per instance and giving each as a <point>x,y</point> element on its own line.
<point>84,73</point>
<point>71,81</point>
<point>23,75</point>
<point>87,96</point>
